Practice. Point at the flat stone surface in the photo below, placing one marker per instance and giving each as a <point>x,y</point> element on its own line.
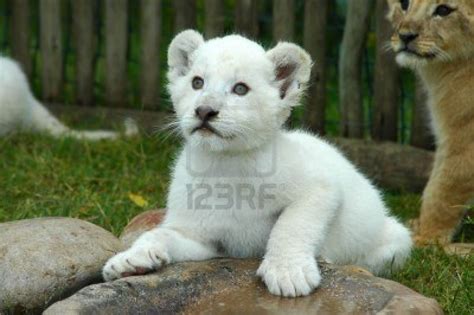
<point>47,259</point>
<point>460,249</point>
<point>141,223</point>
<point>228,286</point>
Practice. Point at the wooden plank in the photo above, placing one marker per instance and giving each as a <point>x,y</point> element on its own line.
<point>20,34</point>
<point>283,20</point>
<point>145,119</point>
<point>421,134</point>
<point>51,49</point>
<point>246,17</point>
<point>116,39</point>
<point>390,165</point>
<point>85,43</point>
<point>150,52</point>
<point>386,81</point>
<point>214,19</point>
<point>184,15</point>
<point>350,68</point>
<point>315,42</point>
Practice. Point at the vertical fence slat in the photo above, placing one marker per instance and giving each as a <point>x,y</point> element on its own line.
<point>20,34</point>
<point>150,52</point>
<point>283,20</point>
<point>350,68</point>
<point>421,135</point>
<point>116,20</point>
<point>386,81</point>
<point>246,17</point>
<point>85,38</point>
<point>315,42</point>
<point>51,49</point>
<point>214,20</point>
<point>184,15</point>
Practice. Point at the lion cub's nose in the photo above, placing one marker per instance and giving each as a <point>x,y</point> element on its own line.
<point>407,38</point>
<point>206,113</point>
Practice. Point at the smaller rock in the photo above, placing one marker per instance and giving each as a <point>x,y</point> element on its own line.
<point>140,224</point>
<point>460,249</point>
<point>47,259</point>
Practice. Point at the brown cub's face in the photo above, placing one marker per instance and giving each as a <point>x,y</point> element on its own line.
<point>428,31</point>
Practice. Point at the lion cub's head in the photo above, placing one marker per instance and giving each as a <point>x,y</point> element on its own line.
<point>427,31</point>
<point>229,93</point>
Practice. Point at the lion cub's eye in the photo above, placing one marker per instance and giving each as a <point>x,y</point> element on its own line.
<point>405,4</point>
<point>198,83</point>
<point>443,10</point>
<point>241,89</point>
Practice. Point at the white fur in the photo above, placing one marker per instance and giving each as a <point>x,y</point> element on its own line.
<point>315,203</point>
<point>20,111</point>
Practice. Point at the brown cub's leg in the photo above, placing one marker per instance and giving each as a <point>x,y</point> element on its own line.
<point>450,188</point>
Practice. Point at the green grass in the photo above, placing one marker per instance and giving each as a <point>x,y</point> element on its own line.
<point>43,177</point>
<point>92,181</point>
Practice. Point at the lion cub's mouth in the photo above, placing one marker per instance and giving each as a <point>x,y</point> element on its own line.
<point>206,129</point>
<point>415,53</point>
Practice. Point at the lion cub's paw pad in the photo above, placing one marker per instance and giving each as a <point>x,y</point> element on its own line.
<point>134,262</point>
<point>290,279</point>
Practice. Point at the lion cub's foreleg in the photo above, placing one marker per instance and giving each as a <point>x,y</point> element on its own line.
<point>153,250</point>
<point>445,198</point>
<point>289,267</point>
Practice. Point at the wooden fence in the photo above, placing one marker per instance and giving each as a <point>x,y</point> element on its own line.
<point>72,32</point>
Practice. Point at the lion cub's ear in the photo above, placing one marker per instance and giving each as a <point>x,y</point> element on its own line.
<point>179,53</point>
<point>292,69</point>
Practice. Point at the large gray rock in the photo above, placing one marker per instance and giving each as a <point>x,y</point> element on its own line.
<point>45,260</point>
<point>230,287</point>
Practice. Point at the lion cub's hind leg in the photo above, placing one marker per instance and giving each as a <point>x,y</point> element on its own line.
<point>392,250</point>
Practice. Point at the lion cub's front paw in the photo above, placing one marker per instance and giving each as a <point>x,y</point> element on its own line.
<point>290,277</point>
<point>138,260</point>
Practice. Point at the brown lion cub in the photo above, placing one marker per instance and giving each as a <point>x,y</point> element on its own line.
<point>436,39</point>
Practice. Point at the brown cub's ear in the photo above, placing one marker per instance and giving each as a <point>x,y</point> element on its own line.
<point>292,69</point>
<point>180,51</point>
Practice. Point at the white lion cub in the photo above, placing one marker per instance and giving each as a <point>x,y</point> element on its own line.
<point>20,111</point>
<point>244,187</point>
